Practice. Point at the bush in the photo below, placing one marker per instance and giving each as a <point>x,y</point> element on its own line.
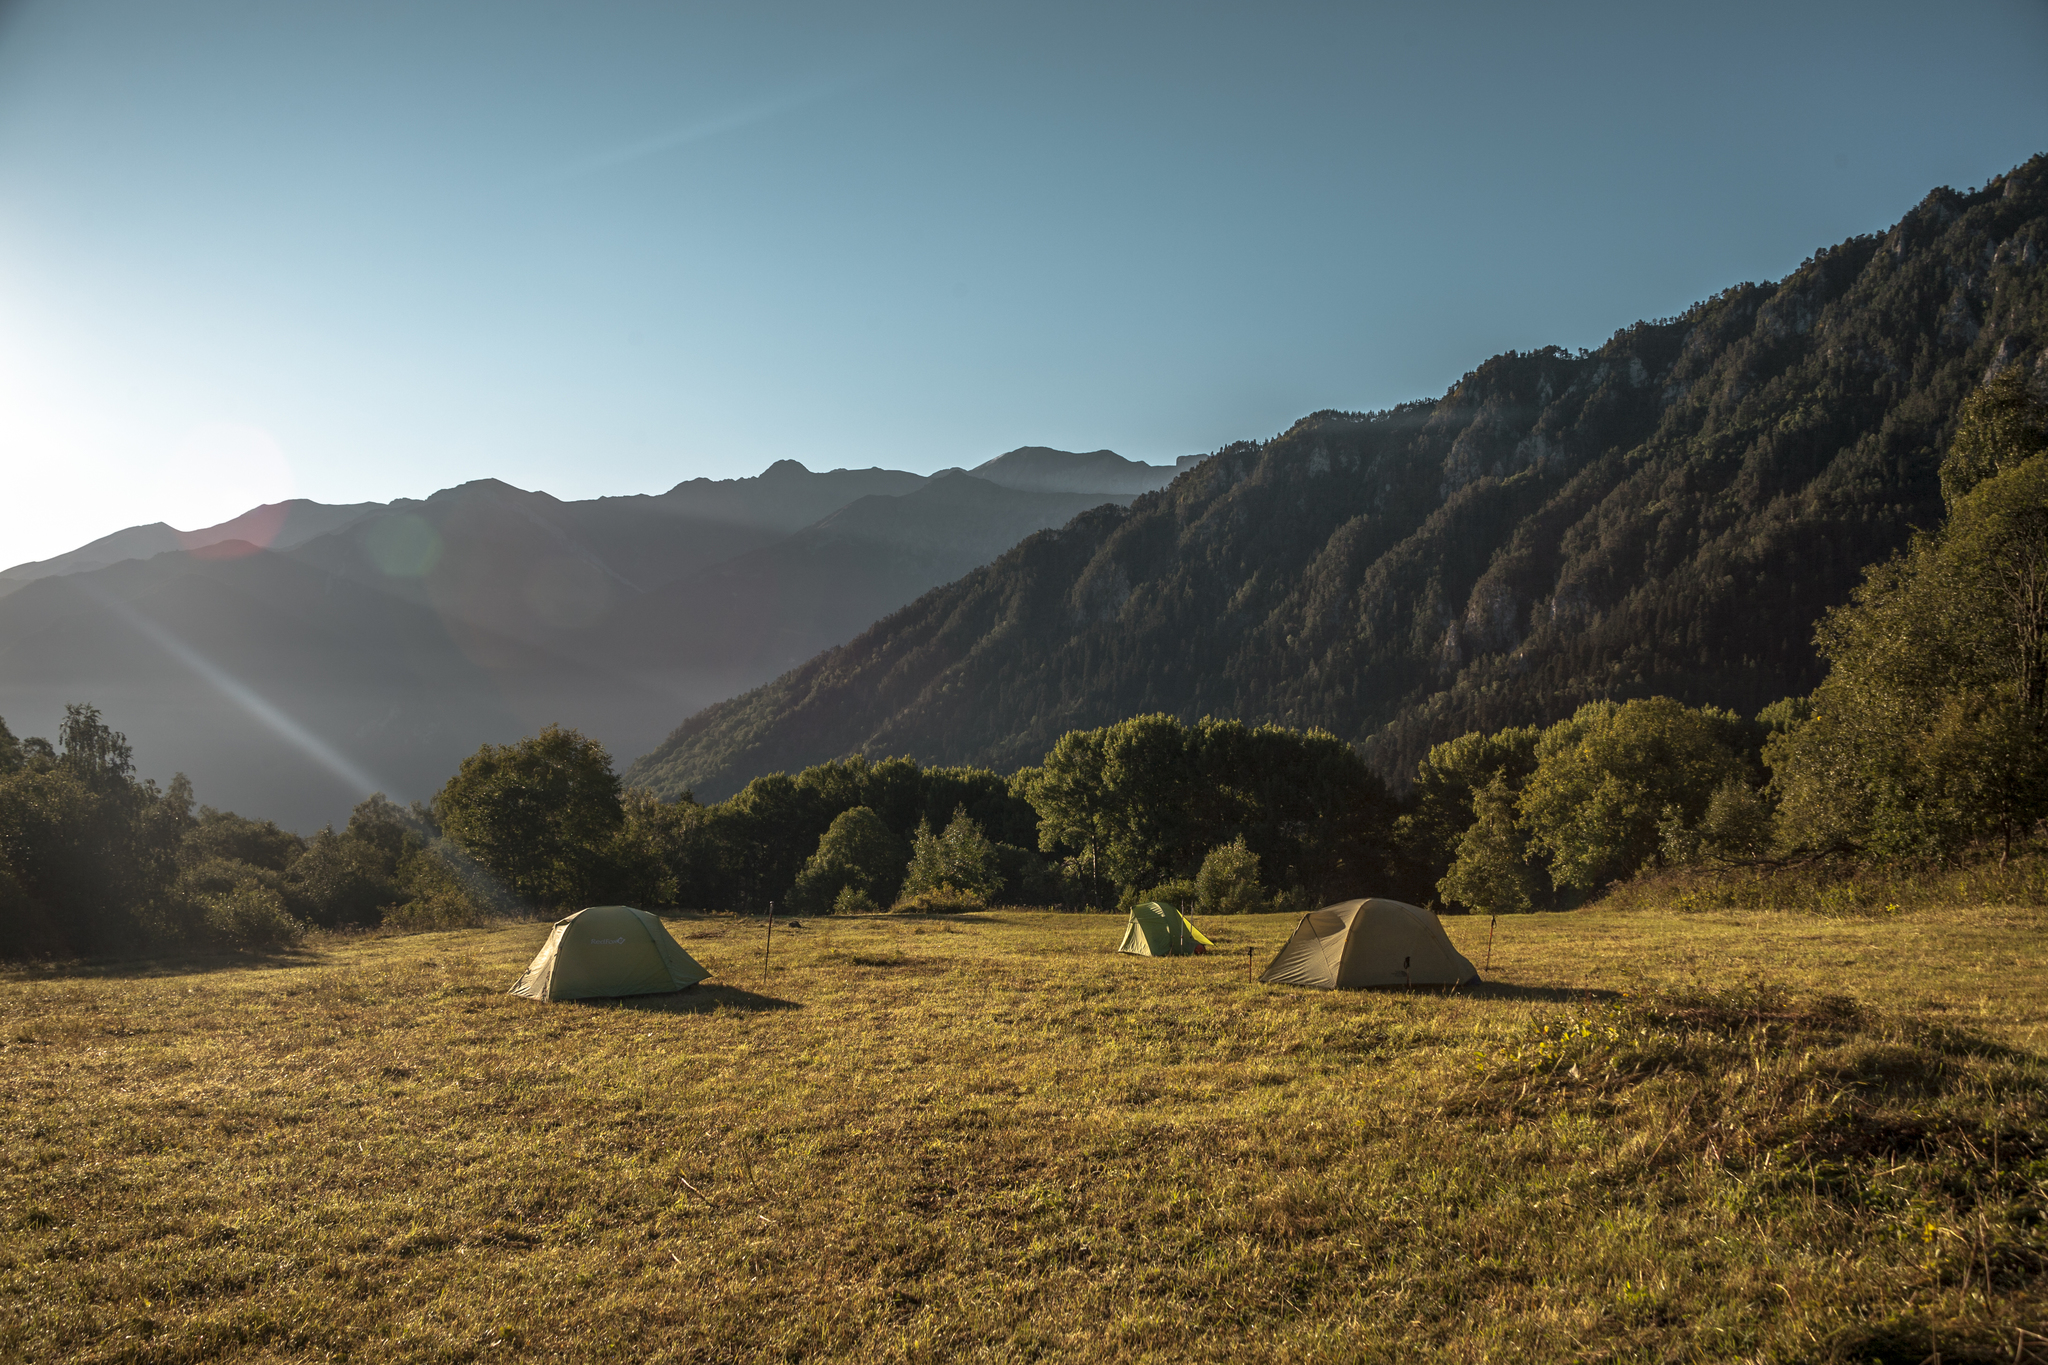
<point>252,916</point>
<point>224,834</point>
<point>448,891</point>
<point>340,880</point>
<point>939,900</point>
<point>853,901</point>
<point>960,858</point>
<point>210,877</point>
<point>1178,894</point>
<point>1228,883</point>
<point>1294,900</point>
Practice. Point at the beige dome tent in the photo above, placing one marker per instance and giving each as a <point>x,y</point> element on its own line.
<point>1369,943</point>
<point>605,951</point>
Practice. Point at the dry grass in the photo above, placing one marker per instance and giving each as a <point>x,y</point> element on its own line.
<point>1791,1139</point>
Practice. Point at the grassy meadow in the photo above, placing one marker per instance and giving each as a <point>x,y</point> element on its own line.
<point>1649,1136</point>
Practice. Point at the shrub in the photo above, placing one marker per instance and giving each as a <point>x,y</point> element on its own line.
<point>1178,894</point>
<point>252,916</point>
<point>447,891</point>
<point>961,858</point>
<point>851,900</point>
<point>1228,883</point>
<point>940,900</point>
<point>224,834</point>
<point>339,880</point>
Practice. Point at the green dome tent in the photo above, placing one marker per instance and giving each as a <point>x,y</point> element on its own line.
<point>605,951</point>
<point>1369,943</point>
<point>1159,930</point>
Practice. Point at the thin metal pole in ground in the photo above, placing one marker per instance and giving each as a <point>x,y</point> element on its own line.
<point>767,944</point>
<point>1489,939</point>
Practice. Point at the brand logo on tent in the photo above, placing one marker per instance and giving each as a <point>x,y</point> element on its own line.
<point>603,941</point>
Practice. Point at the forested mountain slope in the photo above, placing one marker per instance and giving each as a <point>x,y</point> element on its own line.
<point>1668,514</point>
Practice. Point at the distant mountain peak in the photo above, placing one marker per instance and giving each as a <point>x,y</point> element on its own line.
<point>479,487</point>
<point>1042,469</point>
<point>785,469</point>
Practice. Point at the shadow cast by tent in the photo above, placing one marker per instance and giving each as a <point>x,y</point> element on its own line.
<point>1546,995</point>
<point>704,998</point>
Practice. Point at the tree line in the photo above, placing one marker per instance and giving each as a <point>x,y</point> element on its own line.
<point>1927,738</point>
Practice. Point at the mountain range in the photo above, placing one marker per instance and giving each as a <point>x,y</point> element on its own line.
<point>302,654</point>
<point>1670,513</point>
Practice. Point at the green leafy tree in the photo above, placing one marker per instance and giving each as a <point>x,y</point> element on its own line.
<point>858,853</point>
<point>89,853</point>
<point>1141,803</point>
<point>1608,780</point>
<point>1491,872</point>
<point>393,830</point>
<point>224,834</point>
<point>539,815</point>
<point>960,858</point>
<point>1440,806</point>
<point>1228,883</point>
<point>2002,425</point>
<point>341,881</point>
<point>1931,728</point>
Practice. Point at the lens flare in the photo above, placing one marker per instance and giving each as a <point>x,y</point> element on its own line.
<point>402,546</point>
<point>238,692</point>
<point>239,466</point>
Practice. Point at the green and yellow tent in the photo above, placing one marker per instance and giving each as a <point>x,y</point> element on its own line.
<point>604,951</point>
<point>1160,930</point>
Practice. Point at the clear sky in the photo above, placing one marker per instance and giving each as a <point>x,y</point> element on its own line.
<point>351,250</point>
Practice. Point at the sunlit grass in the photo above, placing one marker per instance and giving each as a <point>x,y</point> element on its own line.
<point>1648,1137</point>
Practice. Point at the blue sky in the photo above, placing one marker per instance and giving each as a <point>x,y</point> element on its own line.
<point>361,250</point>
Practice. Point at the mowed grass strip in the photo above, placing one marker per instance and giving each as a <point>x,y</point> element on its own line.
<point>1652,1137</point>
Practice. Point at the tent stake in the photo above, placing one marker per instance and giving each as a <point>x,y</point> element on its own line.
<point>1489,939</point>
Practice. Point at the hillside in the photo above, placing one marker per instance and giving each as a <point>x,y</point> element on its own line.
<point>299,656</point>
<point>1667,514</point>
<point>726,627</point>
<point>273,525</point>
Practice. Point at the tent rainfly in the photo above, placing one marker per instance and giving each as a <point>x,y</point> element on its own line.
<point>1160,930</point>
<point>1369,943</point>
<point>604,951</point>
